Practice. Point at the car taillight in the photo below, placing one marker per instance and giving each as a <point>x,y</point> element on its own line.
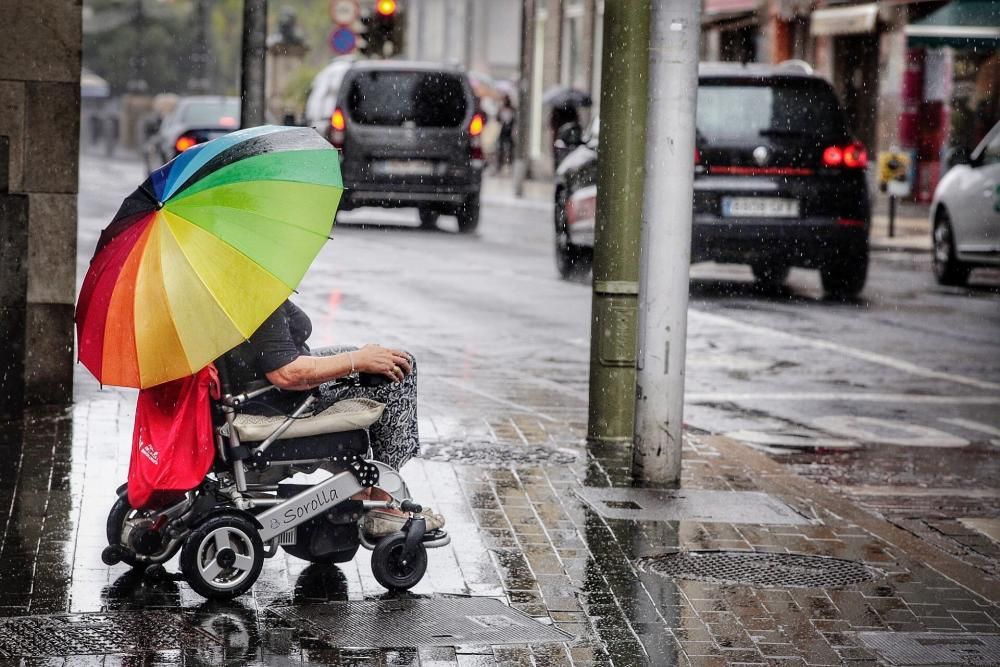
<point>476,126</point>
<point>852,156</point>
<point>337,120</point>
<point>855,157</point>
<point>338,123</point>
<point>184,142</point>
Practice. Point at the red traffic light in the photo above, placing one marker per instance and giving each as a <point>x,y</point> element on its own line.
<point>385,7</point>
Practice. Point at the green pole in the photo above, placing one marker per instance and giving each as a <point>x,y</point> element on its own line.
<point>620,175</point>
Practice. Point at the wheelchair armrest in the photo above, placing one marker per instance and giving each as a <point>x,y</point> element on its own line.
<point>239,399</point>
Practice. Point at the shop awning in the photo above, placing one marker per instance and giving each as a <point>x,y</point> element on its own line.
<point>852,20</point>
<point>723,10</point>
<point>961,24</point>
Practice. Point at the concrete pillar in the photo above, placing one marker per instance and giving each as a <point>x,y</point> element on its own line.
<point>39,147</point>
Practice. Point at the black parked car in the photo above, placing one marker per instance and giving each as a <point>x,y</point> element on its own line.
<point>193,121</point>
<point>410,136</point>
<point>779,182</point>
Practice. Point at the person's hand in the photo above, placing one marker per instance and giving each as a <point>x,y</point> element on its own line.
<point>378,360</point>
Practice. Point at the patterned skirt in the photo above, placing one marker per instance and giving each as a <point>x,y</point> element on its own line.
<point>394,436</point>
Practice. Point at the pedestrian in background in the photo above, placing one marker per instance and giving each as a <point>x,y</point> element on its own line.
<point>507,116</point>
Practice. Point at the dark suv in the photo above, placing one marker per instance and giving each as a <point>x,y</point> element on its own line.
<point>410,135</point>
<point>779,182</point>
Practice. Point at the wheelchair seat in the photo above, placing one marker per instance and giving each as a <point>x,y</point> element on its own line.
<point>350,414</point>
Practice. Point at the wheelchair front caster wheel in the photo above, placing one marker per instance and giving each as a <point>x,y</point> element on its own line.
<point>394,571</point>
<point>222,557</point>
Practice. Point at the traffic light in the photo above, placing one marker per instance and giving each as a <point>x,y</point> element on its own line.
<point>382,29</point>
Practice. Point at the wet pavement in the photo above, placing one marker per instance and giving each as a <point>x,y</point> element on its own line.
<point>871,517</point>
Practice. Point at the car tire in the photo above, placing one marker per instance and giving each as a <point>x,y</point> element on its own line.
<point>771,274</point>
<point>948,270</point>
<point>844,275</point>
<point>428,218</point>
<point>468,215</point>
<point>572,261</point>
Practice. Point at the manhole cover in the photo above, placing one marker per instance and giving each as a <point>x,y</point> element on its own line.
<point>487,453</point>
<point>97,634</point>
<point>934,648</point>
<point>689,505</point>
<point>419,622</point>
<point>766,570</point>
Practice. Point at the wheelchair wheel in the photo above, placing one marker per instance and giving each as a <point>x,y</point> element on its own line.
<point>120,512</point>
<point>222,557</point>
<point>389,568</point>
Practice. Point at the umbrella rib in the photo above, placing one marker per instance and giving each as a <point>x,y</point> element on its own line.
<point>236,250</point>
<point>186,192</point>
<point>259,215</point>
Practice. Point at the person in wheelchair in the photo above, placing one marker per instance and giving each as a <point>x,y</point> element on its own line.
<point>277,353</point>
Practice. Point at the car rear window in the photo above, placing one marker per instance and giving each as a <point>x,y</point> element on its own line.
<point>222,112</point>
<point>739,112</point>
<point>426,99</point>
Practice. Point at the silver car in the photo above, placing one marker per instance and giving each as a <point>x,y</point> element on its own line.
<point>965,214</point>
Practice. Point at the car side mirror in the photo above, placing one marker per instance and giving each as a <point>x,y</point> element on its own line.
<point>958,155</point>
<point>569,135</point>
<point>151,126</point>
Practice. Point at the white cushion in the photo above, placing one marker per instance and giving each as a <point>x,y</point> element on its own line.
<point>346,415</point>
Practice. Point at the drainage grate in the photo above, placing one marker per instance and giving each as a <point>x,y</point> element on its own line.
<point>689,505</point>
<point>96,634</point>
<point>419,622</point>
<point>766,570</point>
<point>488,453</point>
<point>934,648</point>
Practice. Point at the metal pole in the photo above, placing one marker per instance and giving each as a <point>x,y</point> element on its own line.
<point>666,240</point>
<point>892,216</point>
<point>522,152</point>
<point>624,67</point>
<point>254,58</point>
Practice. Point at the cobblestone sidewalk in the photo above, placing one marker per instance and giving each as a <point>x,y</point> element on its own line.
<point>539,522</point>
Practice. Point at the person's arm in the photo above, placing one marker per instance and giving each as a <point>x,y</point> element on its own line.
<point>306,372</point>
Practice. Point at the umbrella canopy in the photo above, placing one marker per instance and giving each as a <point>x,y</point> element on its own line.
<point>962,24</point>
<point>560,97</point>
<point>204,251</point>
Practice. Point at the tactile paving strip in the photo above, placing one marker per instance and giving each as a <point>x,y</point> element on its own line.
<point>419,622</point>
<point>690,505</point>
<point>767,570</point>
<point>934,648</point>
<point>97,634</point>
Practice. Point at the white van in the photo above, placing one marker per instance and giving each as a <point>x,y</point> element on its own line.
<point>323,93</point>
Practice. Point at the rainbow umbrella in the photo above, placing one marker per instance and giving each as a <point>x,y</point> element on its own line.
<point>204,251</point>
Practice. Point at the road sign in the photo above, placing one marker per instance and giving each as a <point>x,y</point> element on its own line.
<point>343,40</point>
<point>344,12</point>
<point>894,173</point>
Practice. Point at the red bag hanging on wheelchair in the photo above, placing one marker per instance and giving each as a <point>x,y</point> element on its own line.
<point>172,443</point>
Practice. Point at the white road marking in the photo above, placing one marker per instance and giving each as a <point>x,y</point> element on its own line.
<point>888,431</point>
<point>972,425</point>
<point>988,527</point>
<point>919,491</point>
<point>872,357</point>
<point>867,397</point>
<point>793,440</point>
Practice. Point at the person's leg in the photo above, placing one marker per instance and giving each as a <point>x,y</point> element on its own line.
<point>394,437</point>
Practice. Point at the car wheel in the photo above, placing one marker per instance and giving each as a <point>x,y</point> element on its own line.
<point>468,215</point>
<point>572,260</point>
<point>947,269</point>
<point>844,275</point>
<point>428,218</point>
<point>771,274</point>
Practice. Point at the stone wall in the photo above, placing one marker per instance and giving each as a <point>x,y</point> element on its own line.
<point>39,146</point>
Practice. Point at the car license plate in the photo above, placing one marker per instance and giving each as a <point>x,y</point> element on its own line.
<point>404,167</point>
<point>760,207</point>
